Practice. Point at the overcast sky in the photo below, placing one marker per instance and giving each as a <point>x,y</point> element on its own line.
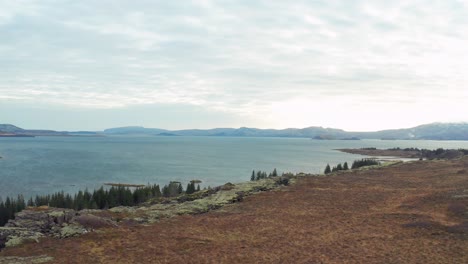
<point>356,65</point>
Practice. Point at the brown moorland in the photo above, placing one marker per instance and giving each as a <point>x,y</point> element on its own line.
<point>414,212</point>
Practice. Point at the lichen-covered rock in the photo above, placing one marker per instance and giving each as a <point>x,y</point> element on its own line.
<point>26,260</point>
<point>72,231</point>
<point>64,223</point>
<point>207,200</point>
<point>43,219</point>
<point>12,236</point>
<point>33,223</point>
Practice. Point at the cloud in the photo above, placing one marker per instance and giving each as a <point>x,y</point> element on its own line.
<point>237,57</point>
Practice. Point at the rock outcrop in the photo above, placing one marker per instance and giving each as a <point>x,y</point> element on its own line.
<point>42,219</point>
<point>12,236</point>
<point>202,201</point>
<point>34,223</point>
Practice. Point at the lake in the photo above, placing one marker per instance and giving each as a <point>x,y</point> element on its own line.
<point>44,165</point>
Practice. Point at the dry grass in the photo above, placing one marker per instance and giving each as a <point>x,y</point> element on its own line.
<point>410,213</point>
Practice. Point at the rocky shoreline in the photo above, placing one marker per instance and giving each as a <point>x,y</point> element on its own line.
<point>32,224</point>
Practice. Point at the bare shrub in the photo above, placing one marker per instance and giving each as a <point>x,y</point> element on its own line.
<point>92,221</point>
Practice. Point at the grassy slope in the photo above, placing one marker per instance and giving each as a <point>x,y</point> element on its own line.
<point>410,213</point>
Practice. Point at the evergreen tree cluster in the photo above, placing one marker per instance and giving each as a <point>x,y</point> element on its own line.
<point>173,189</point>
<point>356,164</point>
<point>259,175</point>
<point>191,187</point>
<point>364,162</point>
<point>433,154</point>
<point>338,167</point>
<point>9,207</point>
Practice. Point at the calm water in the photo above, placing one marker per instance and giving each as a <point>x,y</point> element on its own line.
<point>47,164</point>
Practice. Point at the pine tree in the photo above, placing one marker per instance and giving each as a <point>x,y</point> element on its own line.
<point>327,169</point>
<point>275,173</point>
<point>180,189</point>
<point>190,188</point>
<point>30,202</point>
<point>156,191</point>
<point>345,166</point>
<point>339,167</point>
<point>252,178</point>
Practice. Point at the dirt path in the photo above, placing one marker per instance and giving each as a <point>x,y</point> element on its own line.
<point>411,213</point>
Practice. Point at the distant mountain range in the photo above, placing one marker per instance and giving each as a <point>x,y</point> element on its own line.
<point>434,131</point>
<point>7,130</point>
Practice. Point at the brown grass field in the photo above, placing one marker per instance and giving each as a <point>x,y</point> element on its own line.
<point>408,213</point>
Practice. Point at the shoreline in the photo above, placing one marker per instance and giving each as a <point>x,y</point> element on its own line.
<point>416,209</point>
<point>383,153</point>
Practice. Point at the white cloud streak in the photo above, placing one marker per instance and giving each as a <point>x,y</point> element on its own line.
<point>249,58</point>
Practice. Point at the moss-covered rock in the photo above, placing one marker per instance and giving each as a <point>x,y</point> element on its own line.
<point>202,201</point>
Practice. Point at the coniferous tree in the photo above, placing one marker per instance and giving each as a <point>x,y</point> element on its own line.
<point>165,191</point>
<point>3,213</point>
<point>259,175</point>
<point>327,169</point>
<point>30,202</point>
<point>275,173</point>
<point>339,167</point>
<point>190,188</point>
<point>157,191</point>
<point>252,178</point>
<point>345,166</point>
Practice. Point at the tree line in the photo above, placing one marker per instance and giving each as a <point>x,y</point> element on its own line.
<point>356,164</point>
<point>432,154</point>
<point>102,198</point>
<point>259,175</point>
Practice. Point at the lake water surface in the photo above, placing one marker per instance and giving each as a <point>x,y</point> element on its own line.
<point>48,164</point>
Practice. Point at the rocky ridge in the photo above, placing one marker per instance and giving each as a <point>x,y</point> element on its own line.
<point>34,223</point>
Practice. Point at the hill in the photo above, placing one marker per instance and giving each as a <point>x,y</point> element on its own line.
<point>434,131</point>
<point>134,130</point>
<point>11,130</point>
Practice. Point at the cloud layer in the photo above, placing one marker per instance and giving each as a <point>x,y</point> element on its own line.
<point>334,63</point>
